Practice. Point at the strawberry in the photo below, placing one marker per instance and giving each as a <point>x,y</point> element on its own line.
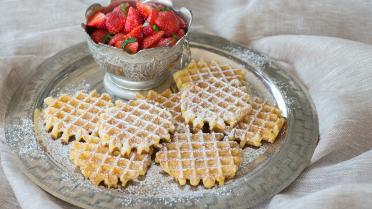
<point>134,19</point>
<point>130,45</point>
<point>115,22</point>
<point>143,9</point>
<point>152,16</point>
<point>182,22</point>
<point>148,31</point>
<point>97,20</point>
<point>150,41</point>
<point>136,33</point>
<point>99,35</point>
<point>122,8</point>
<point>168,22</point>
<point>170,41</point>
<point>117,38</point>
<point>180,33</point>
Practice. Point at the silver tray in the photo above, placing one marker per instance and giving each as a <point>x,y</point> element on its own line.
<point>264,172</point>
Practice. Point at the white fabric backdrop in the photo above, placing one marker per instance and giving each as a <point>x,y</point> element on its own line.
<point>336,71</point>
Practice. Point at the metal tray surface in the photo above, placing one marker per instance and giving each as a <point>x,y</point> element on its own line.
<point>264,171</point>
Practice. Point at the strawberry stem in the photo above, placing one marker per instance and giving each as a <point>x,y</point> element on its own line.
<point>175,37</point>
<point>107,38</point>
<point>128,41</point>
<point>165,9</point>
<point>124,8</point>
<point>155,27</point>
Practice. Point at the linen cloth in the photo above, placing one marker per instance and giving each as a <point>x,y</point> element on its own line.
<point>325,43</point>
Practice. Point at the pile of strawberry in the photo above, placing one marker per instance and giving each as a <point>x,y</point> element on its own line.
<point>133,26</point>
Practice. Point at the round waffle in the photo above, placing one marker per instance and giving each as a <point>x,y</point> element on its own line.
<point>263,123</point>
<point>201,71</point>
<point>200,156</point>
<point>215,102</point>
<point>137,124</point>
<point>171,102</point>
<point>100,166</point>
<point>74,116</point>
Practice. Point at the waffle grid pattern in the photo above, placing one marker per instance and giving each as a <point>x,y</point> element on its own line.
<point>199,157</point>
<point>263,123</point>
<point>171,102</point>
<point>99,166</point>
<point>74,115</point>
<point>134,125</point>
<point>215,102</point>
<point>201,71</point>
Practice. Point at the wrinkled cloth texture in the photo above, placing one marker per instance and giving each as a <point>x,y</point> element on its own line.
<point>325,43</point>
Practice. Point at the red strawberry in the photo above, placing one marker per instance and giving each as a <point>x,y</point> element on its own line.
<point>115,22</point>
<point>136,33</point>
<point>170,41</point>
<point>131,47</point>
<point>122,8</point>
<point>150,41</point>
<point>97,20</point>
<point>134,19</point>
<point>168,22</point>
<point>99,35</point>
<point>152,16</point>
<point>180,33</point>
<point>143,9</point>
<point>182,22</point>
<point>117,38</point>
<point>148,31</point>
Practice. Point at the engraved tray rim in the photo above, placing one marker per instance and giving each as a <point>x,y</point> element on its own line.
<point>282,168</point>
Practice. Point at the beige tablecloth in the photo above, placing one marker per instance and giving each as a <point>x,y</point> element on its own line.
<point>323,42</point>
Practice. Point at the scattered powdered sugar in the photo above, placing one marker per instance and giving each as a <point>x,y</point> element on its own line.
<point>249,155</point>
<point>285,89</point>
<point>71,89</point>
<point>253,58</point>
<point>21,135</point>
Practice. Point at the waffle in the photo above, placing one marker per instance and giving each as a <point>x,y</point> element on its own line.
<point>99,166</point>
<point>201,71</point>
<point>200,156</point>
<point>263,123</point>
<point>74,116</point>
<point>137,124</point>
<point>215,102</point>
<point>171,102</point>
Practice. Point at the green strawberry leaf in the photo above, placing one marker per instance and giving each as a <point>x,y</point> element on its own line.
<point>165,9</point>
<point>155,27</point>
<point>175,37</point>
<point>123,8</point>
<point>107,38</point>
<point>128,41</point>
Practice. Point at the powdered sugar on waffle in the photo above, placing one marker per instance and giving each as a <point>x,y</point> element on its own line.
<point>134,125</point>
<point>215,102</point>
<point>171,102</point>
<point>201,71</point>
<point>74,115</point>
<point>263,123</point>
<point>200,156</point>
<point>98,165</point>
